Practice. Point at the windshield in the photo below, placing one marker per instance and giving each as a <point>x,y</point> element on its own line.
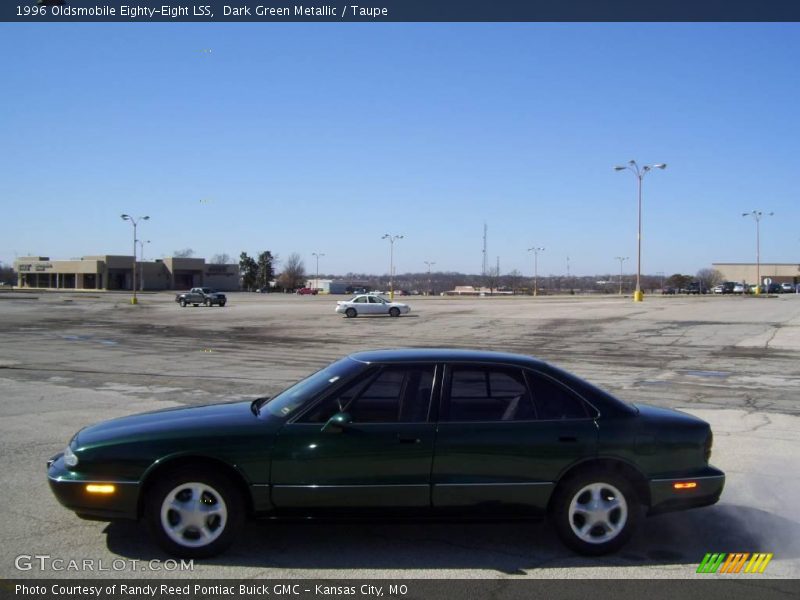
<point>294,397</point>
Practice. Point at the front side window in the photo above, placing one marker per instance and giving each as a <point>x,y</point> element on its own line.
<point>374,300</point>
<point>488,394</point>
<point>285,403</point>
<point>391,394</point>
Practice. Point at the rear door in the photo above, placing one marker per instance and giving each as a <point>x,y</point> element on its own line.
<point>501,443</point>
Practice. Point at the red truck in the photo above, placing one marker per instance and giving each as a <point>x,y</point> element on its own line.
<point>306,290</point>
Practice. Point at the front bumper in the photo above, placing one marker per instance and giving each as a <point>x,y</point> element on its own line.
<point>665,498</point>
<point>69,488</point>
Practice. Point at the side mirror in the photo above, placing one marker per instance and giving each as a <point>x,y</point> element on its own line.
<point>337,422</point>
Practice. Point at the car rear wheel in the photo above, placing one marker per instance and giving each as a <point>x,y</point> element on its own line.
<point>193,514</point>
<point>182,303</point>
<point>350,313</point>
<point>394,312</point>
<point>596,513</point>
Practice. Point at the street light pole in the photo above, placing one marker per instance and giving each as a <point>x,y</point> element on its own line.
<point>535,251</point>
<point>392,239</point>
<point>757,216</point>
<point>429,263</point>
<point>621,259</point>
<point>134,222</point>
<point>640,172</point>
<point>141,257</point>
<point>317,255</point>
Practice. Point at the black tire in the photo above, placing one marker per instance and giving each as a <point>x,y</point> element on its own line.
<point>208,302</point>
<point>222,525</point>
<point>182,302</point>
<point>350,313</point>
<point>394,312</point>
<point>221,303</point>
<point>619,523</point>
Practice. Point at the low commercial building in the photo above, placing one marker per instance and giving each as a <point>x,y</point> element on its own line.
<point>348,287</point>
<point>746,272</point>
<point>115,272</point>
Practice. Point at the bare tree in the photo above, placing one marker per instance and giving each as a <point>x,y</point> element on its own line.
<point>221,259</point>
<point>708,278</point>
<point>185,253</point>
<point>294,272</point>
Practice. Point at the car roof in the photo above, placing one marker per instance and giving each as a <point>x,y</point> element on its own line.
<point>606,403</point>
<point>444,354</point>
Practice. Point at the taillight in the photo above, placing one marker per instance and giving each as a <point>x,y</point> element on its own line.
<point>709,444</point>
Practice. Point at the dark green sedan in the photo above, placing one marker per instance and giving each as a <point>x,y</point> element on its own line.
<point>416,433</point>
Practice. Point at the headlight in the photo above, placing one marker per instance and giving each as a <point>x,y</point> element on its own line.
<point>70,459</point>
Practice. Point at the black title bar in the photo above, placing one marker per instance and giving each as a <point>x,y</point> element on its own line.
<point>382,11</point>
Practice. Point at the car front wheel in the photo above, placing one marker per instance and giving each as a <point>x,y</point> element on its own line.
<point>208,302</point>
<point>221,303</point>
<point>596,513</point>
<point>394,312</point>
<point>182,303</point>
<point>194,515</point>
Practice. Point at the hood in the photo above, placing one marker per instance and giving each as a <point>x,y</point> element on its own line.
<point>173,423</point>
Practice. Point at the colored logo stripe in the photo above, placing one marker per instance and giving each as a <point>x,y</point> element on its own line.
<point>711,563</point>
<point>720,562</point>
<point>758,563</point>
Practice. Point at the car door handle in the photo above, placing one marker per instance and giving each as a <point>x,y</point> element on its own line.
<point>568,439</point>
<point>404,439</point>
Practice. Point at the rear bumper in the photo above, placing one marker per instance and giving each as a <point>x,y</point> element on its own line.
<point>69,488</point>
<point>664,497</point>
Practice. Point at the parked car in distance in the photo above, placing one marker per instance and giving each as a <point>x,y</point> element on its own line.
<point>668,291</point>
<point>370,304</point>
<point>306,291</point>
<point>788,288</point>
<point>201,295</point>
<point>724,288</point>
<point>415,432</point>
<point>739,288</point>
<point>695,287</point>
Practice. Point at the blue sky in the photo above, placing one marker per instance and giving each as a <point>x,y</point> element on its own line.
<point>323,137</point>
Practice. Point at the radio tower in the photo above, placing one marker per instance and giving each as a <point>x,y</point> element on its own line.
<point>485,264</point>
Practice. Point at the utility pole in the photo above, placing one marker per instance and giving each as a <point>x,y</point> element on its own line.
<point>621,260</point>
<point>134,222</point>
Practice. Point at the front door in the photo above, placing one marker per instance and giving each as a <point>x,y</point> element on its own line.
<point>378,456</point>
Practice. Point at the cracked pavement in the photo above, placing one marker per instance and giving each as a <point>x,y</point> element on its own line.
<point>69,360</point>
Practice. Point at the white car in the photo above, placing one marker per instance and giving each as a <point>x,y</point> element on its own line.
<point>370,304</point>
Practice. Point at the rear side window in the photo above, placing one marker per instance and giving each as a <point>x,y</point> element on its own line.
<point>553,401</point>
<point>487,394</point>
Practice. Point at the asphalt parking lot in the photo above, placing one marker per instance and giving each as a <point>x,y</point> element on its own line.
<point>68,360</point>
